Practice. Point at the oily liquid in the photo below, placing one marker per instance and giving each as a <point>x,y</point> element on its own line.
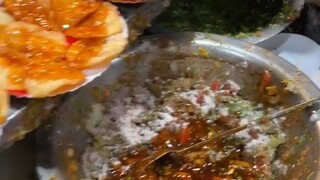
<point>194,165</point>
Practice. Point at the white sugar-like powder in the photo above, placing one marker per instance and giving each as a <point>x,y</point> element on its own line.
<point>208,99</point>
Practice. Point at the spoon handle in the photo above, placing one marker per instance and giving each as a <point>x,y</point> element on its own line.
<point>140,166</point>
<point>240,128</point>
<point>293,108</point>
<point>219,136</point>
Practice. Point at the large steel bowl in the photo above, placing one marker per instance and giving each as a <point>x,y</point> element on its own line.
<point>152,56</point>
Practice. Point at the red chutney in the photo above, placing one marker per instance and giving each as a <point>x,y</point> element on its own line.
<point>51,15</point>
<point>68,13</point>
<point>31,54</point>
<point>36,54</point>
<point>93,26</point>
<point>31,11</point>
<point>82,50</point>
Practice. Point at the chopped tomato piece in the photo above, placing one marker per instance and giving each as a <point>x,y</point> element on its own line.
<point>71,40</point>
<point>200,98</point>
<point>215,85</point>
<point>18,93</point>
<point>185,135</point>
<point>266,78</point>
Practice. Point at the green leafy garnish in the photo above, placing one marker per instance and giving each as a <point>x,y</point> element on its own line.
<point>275,141</point>
<point>236,18</point>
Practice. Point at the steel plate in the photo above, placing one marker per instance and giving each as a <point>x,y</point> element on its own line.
<point>66,128</point>
<point>26,114</point>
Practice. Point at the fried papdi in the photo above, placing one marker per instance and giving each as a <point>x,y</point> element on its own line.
<point>90,52</point>
<point>68,13</point>
<point>30,53</point>
<point>5,18</point>
<point>46,45</point>
<point>106,21</point>
<point>31,11</point>
<point>12,76</point>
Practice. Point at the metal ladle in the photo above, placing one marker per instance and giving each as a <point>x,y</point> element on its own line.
<point>140,166</point>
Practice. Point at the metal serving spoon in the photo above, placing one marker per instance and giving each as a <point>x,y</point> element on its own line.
<point>140,166</point>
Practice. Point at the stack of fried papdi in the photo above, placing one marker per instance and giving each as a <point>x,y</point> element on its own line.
<point>46,44</point>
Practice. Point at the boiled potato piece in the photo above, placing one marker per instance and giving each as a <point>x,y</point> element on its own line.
<point>4,104</point>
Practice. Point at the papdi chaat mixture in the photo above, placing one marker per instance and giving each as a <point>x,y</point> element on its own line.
<point>176,113</point>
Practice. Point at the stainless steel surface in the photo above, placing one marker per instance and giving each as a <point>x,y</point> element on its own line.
<point>26,114</point>
<point>297,107</point>
<point>299,50</point>
<point>18,162</point>
<point>67,126</point>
